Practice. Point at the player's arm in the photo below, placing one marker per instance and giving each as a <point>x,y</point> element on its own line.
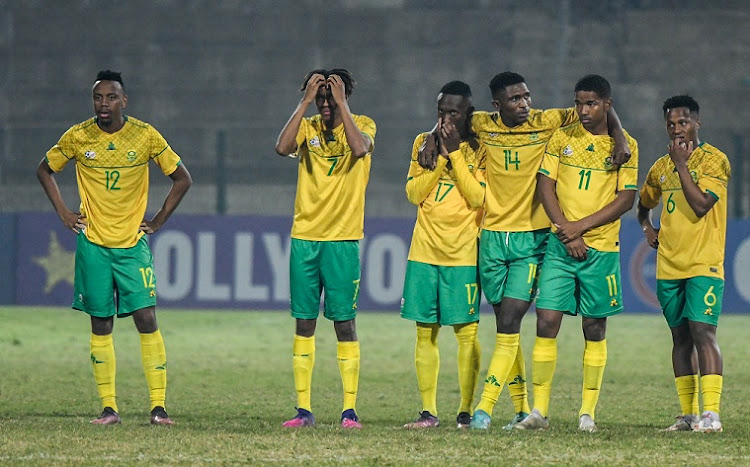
<point>428,152</point>
<point>546,189</point>
<point>181,183</point>
<point>647,225</point>
<point>471,189</point>
<point>699,201</point>
<point>621,150</point>
<point>286,143</point>
<point>622,203</point>
<point>359,143</point>
<point>72,220</point>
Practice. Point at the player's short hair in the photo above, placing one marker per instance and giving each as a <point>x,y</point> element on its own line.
<point>503,80</point>
<point>595,83</point>
<point>456,88</point>
<point>344,74</point>
<point>682,100</point>
<point>109,75</point>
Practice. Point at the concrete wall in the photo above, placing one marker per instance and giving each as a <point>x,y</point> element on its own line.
<point>196,67</point>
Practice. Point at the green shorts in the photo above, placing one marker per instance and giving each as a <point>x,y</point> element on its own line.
<point>316,266</point>
<point>446,295</point>
<point>509,263</point>
<point>113,281</point>
<point>692,299</point>
<point>591,287</point>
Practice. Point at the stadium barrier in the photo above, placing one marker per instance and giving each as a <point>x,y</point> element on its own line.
<point>241,262</point>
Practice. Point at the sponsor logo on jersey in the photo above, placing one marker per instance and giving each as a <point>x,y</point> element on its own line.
<point>662,178</point>
<point>90,154</point>
<point>568,151</point>
<point>591,147</point>
<point>111,146</point>
<point>315,141</point>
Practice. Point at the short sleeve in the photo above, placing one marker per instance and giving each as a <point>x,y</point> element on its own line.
<point>715,176</point>
<point>551,159</point>
<point>162,153</point>
<point>627,176</point>
<point>651,190</point>
<point>61,153</point>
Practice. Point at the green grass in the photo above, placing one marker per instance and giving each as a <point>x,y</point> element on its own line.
<point>230,387</point>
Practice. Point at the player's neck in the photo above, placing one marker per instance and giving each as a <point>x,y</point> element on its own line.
<point>112,127</point>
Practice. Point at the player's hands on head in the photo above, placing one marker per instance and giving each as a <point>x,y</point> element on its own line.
<point>428,152</point>
<point>680,151</point>
<point>74,221</point>
<point>149,226</point>
<point>577,249</point>
<point>338,88</point>
<point>311,88</point>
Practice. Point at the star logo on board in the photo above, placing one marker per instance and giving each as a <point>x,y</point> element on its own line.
<point>111,146</point>
<point>59,264</point>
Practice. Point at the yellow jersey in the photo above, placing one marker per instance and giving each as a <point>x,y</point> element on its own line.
<point>449,201</point>
<point>581,164</point>
<point>112,175</point>
<point>689,246</point>
<point>331,183</point>
<point>514,157</point>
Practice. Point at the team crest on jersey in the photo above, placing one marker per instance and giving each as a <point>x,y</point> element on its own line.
<point>608,162</point>
<point>89,154</point>
<point>315,141</point>
<point>471,168</point>
<point>131,156</point>
<point>694,176</point>
<point>568,151</point>
<point>534,136</point>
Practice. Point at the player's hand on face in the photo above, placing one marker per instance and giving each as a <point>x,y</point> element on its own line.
<point>577,249</point>
<point>428,152</point>
<point>620,152</point>
<point>149,227</point>
<point>569,231</point>
<point>450,139</point>
<point>338,88</point>
<point>74,221</point>
<point>652,237</point>
<point>680,151</point>
<point>313,84</point>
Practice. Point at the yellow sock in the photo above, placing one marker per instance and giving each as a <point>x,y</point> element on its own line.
<point>519,395</point>
<point>105,367</point>
<point>154,358</point>
<point>348,356</point>
<point>469,354</point>
<point>711,390</point>
<point>506,347</point>
<point>594,361</point>
<point>687,391</point>
<point>303,362</point>
<point>427,362</point>
<point>543,361</point>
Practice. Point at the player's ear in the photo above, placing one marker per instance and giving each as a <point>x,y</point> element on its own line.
<point>698,123</point>
<point>124,101</point>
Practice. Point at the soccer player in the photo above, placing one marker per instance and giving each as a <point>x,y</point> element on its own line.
<point>514,233</point>
<point>442,283</point>
<point>693,178</point>
<point>334,152</point>
<point>584,194</point>
<point>114,272</point>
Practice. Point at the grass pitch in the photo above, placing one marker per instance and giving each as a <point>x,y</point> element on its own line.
<point>230,387</point>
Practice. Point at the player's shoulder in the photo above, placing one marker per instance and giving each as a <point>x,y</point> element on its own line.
<point>82,126</point>
<point>421,137</point>
<point>363,121</point>
<point>631,141</point>
<point>483,120</point>
<point>715,160</point>
<point>136,123</point>
<point>713,152</point>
